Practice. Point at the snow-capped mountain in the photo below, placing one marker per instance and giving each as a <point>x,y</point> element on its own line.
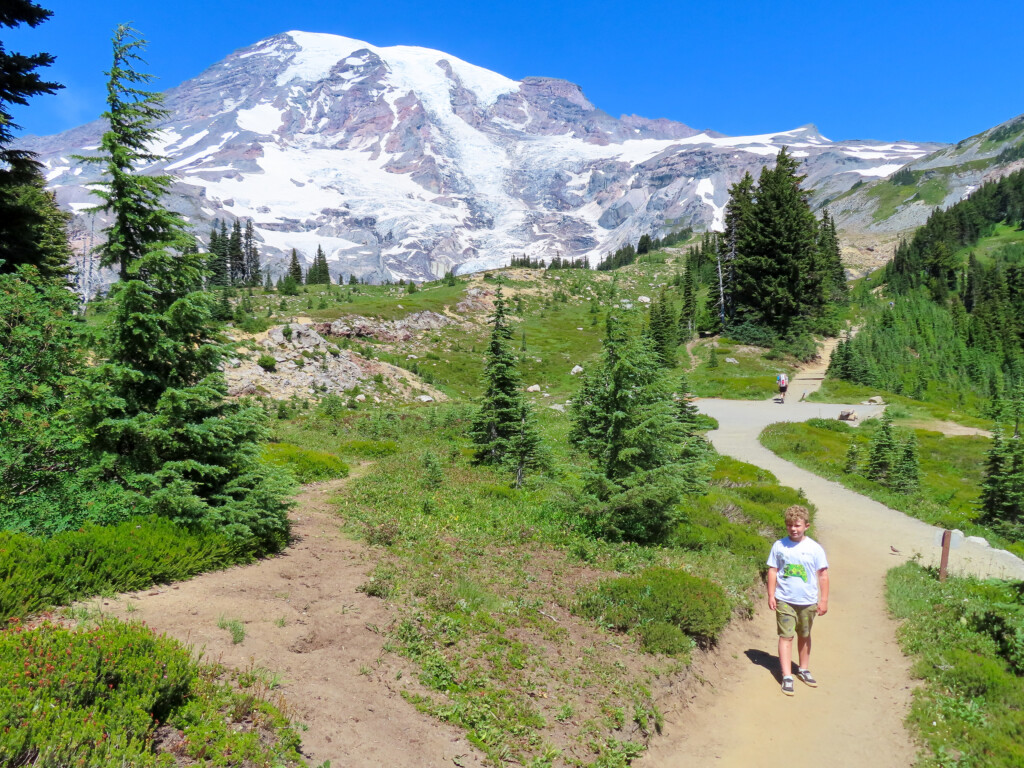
<point>408,162</point>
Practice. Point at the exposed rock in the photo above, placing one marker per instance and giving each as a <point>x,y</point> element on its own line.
<point>979,540</point>
<point>732,360</point>
<point>848,415</point>
<point>357,326</point>
<point>577,369</point>
<point>557,407</point>
<point>477,300</point>
<point>644,299</point>
<point>425,399</point>
<point>360,398</point>
<point>533,388</point>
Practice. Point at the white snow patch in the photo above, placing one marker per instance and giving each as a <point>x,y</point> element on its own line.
<point>706,192</point>
<point>320,52</point>
<point>193,139</point>
<point>58,171</point>
<point>78,207</point>
<point>878,170</point>
<point>263,118</point>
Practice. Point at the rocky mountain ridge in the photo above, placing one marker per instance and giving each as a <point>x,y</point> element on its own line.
<point>405,162</point>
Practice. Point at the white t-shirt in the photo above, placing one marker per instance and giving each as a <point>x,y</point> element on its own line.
<point>798,565</point>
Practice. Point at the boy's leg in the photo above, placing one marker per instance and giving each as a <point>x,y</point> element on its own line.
<point>786,656</point>
<point>803,647</point>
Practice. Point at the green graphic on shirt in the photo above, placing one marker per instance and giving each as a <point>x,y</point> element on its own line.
<point>794,570</point>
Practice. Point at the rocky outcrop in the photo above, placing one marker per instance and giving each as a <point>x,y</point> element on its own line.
<point>305,363</point>
<point>357,326</point>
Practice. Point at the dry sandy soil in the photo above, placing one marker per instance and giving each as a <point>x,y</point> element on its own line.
<point>305,622</point>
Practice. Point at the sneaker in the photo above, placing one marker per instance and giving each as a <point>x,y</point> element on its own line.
<point>787,685</point>
<point>805,676</point>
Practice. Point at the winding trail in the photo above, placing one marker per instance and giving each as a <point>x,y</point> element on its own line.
<point>854,718</point>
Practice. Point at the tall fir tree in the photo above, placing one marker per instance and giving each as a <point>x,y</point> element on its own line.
<point>626,419</point>
<point>236,255</point>
<point>133,200</point>
<point>739,233</point>
<point>504,430</point>
<point>19,81</point>
<point>294,268</point>
<point>832,257</point>
<point>253,272</point>
<point>883,452</point>
<point>154,410</point>
<point>33,229</point>
<point>779,272</point>
<point>688,310</point>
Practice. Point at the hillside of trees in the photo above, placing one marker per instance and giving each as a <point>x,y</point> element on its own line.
<point>951,322</point>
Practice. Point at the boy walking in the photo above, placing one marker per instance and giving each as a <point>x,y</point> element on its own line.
<point>797,592</point>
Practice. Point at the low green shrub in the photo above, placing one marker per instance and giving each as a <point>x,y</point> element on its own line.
<point>95,698</point>
<point>695,606</point>
<point>835,425</point>
<point>37,573</point>
<point>267,362</point>
<point>368,449</point>
<point>308,466</point>
<point>965,635</point>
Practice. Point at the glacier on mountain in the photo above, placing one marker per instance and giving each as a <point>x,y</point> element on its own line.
<point>407,162</point>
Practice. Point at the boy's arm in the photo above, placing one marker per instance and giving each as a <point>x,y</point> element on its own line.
<point>823,591</point>
<point>773,577</point>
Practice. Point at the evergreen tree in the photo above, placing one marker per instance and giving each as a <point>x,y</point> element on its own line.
<point>41,447</point>
<point>739,232</point>
<point>140,222</point>
<point>253,275</point>
<point>832,257</point>
<point>779,272</point>
<point>33,228</point>
<point>236,255</point>
<point>154,411</point>
<point>1002,497</point>
<point>661,328</point>
<point>294,268</point>
<point>907,470</point>
<point>19,81</point>
<point>688,311</point>
<point>625,418</point>
<point>852,465</point>
<point>882,453</point>
<point>504,430</point>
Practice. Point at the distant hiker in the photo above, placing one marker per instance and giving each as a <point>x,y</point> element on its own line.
<point>797,592</point>
<point>783,381</point>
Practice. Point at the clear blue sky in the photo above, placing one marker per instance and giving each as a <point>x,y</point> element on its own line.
<point>938,71</point>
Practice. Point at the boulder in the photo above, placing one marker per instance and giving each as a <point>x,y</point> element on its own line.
<point>876,400</point>
<point>979,540</point>
<point>425,399</point>
<point>533,388</point>
<point>732,360</point>
<point>576,369</point>
<point>644,299</point>
<point>847,415</point>
<point>243,387</point>
<point>360,398</point>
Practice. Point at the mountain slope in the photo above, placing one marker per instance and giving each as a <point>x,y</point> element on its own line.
<point>940,179</point>
<point>407,162</point>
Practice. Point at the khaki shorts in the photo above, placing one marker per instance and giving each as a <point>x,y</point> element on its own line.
<point>794,619</point>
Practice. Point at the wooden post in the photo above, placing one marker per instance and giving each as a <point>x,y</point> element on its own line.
<point>946,536</point>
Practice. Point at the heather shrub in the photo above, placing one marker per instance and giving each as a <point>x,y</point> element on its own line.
<point>308,466</point>
<point>696,607</point>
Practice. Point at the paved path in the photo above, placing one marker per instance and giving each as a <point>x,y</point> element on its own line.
<point>854,719</point>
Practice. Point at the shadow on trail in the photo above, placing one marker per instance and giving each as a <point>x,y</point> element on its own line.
<point>768,661</point>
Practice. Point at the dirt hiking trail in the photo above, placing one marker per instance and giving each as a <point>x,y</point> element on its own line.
<point>854,718</point>
<point>305,623</point>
